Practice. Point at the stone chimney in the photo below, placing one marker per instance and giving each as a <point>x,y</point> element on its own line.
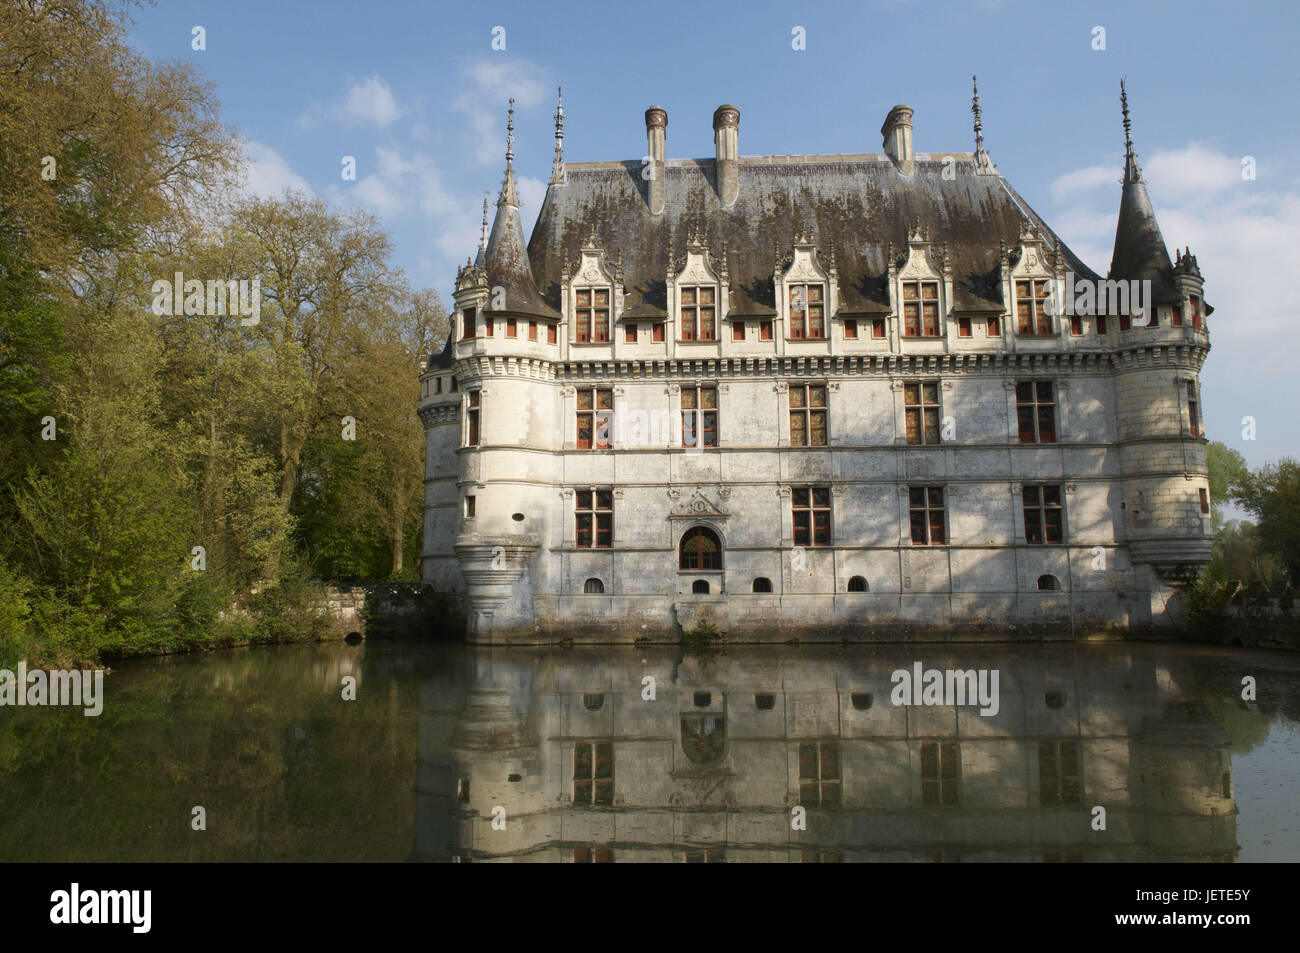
<point>656,134</point>
<point>897,131</point>
<point>726,129</point>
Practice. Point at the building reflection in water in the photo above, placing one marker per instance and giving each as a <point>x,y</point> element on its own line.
<point>575,764</point>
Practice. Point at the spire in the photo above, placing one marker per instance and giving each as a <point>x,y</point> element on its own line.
<point>505,259</point>
<point>557,167</point>
<point>1131,171</point>
<point>483,236</point>
<point>983,164</point>
<point>1140,253</point>
<point>508,195</point>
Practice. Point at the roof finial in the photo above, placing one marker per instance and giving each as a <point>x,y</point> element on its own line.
<point>483,238</point>
<point>983,164</point>
<point>508,196</point>
<point>1132,172</point>
<point>557,168</point>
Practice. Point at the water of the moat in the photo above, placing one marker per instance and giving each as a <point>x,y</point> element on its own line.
<point>630,754</point>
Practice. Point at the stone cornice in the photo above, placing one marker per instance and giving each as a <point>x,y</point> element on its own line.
<point>973,363</point>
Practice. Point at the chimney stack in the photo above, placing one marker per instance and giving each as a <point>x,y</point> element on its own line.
<point>726,135</point>
<point>897,131</point>
<point>656,133</point>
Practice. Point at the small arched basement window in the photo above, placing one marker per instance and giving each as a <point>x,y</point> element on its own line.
<point>700,587</point>
<point>593,586</point>
<point>858,584</point>
<point>1048,583</point>
<point>762,584</point>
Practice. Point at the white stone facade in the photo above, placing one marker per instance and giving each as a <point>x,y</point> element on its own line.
<point>1127,461</point>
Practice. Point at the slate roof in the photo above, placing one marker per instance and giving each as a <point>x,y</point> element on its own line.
<point>1140,252</point>
<point>860,202</point>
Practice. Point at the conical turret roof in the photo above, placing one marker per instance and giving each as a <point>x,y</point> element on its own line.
<point>506,257</point>
<point>1140,253</point>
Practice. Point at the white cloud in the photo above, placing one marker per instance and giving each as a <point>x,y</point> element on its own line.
<point>531,193</point>
<point>398,185</point>
<point>490,85</point>
<point>268,172</point>
<point>369,101</point>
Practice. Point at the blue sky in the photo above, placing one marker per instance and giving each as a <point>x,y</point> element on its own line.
<point>417,94</point>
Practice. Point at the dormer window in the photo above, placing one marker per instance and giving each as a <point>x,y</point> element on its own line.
<point>1032,317</point>
<point>592,316</point>
<point>469,323</point>
<point>699,313</point>
<point>921,309</point>
<point>807,312</point>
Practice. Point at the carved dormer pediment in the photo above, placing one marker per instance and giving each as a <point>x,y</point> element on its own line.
<point>471,285</point>
<point>1035,257</point>
<point>698,506</point>
<point>921,260</point>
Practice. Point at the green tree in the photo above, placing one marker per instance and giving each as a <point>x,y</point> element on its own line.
<point>1226,467</point>
<point>1272,495</point>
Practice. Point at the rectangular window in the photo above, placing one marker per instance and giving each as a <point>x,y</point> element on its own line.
<point>512,328</point>
<point>469,323</point>
<point>819,774</point>
<point>593,855</point>
<point>1031,308</point>
<point>595,418</point>
<point>1036,411</point>
<point>1205,500</point>
<point>658,331</point>
<point>629,334</point>
<point>940,774</point>
<point>699,313</point>
<point>1177,319</point>
<point>765,330</point>
<point>1044,514</point>
<point>738,331</point>
<point>1194,309</point>
<point>592,315</point>
<point>1124,322</point>
<point>807,312</point>
<point>455,385</point>
<point>920,309</point>
<point>552,332</point>
<point>594,518</point>
<point>877,327</point>
<point>471,417</point>
<point>469,506</point>
<point>1193,410</point>
<point>1101,324</point>
<point>593,773</point>
<point>993,328</point>
<point>807,415</point>
<point>921,410</point>
<point>532,330</point>
<point>1058,772</point>
<point>712,855</point>
<point>488,327</point>
<point>850,329</point>
<point>699,414</point>
<point>811,509</point>
<point>1076,324</point>
<point>925,506</point>
<point>963,327</point>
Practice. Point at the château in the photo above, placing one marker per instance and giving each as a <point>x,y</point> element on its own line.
<point>816,397</point>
